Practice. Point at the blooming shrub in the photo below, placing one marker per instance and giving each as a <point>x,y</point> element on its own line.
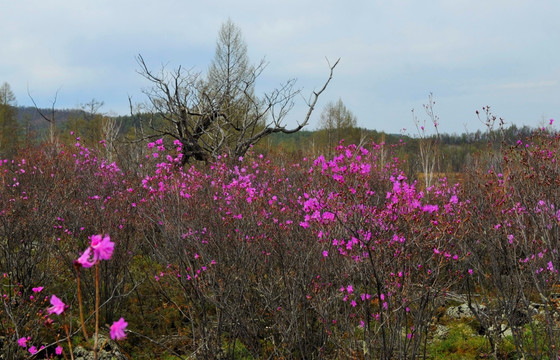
<point>310,258</point>
<point>512,240</point>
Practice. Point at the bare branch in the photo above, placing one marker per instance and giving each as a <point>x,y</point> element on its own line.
<point>220,113</point>
<point>285,107</point>
<point>51,120</point>
<point>315,95</point>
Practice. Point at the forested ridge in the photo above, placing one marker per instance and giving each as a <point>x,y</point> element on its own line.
<point>455,149</point>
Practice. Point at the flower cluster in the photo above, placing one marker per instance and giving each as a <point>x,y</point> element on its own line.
<point>101,248</point>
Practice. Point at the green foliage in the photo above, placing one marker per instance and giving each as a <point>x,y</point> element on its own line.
<point>237,351</point>
<point>337,122</point>
<point>10,131</point>
<point>535,337</point>
<point>462,342</point>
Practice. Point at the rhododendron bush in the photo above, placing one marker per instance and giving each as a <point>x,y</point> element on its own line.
<point>513,243</point>
<point>341,257</point>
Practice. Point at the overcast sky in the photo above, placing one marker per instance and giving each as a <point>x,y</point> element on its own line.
<point>394,53</point>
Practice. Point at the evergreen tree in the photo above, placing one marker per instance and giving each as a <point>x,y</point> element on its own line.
<point>230,84</point>
<point>9,127</point>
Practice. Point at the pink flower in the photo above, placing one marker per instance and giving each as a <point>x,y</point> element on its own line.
<point>510,238</point>
<point>85,260</point>
<point>58,350</point>
<point>33,350</point>
<point>57,306</point>
<point>117,329</point>
<point>37,289</point>
<point>22,342</point>
<point>102,248</point>
<point>328,216</point>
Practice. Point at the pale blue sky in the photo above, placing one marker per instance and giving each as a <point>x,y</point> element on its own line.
<point>468,53</point>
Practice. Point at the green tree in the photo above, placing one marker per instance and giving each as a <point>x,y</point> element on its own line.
<point>9,127</point>
<point>230,85</point>
<point>337,123</point>
<point>230,70</point>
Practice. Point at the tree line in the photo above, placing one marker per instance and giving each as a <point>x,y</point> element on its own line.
<point>21,126</point>
<point>220,113</point>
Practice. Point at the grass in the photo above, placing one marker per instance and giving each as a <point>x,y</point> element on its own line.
<point>463,342</point>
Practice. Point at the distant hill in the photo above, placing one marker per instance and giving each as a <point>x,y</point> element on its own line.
<point>30,118</point>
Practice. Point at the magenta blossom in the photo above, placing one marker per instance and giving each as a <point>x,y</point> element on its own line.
<point>22,342</point>
<point>85,260</point>
<point>57,306</point>
<point>102,248</point>
<point>118,328</point>
<point>37,289</point>
<point>58,350</point>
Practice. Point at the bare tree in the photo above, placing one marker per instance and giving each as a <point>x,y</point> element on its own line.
<point>104,126</point>
<point>111,128</point>
<point>221,114</point>
<point>428,145</point>
<point>48,118</point>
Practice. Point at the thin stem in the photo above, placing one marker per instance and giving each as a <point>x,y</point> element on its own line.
<point>80,302</point>
<point>96,311</point>
<point>69,343</point>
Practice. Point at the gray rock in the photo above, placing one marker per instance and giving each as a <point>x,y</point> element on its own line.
<point>463,311</point>
<point>459,312</point>
<point>110,351</point>
<point>441,331</point>
<point>504,330</point>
